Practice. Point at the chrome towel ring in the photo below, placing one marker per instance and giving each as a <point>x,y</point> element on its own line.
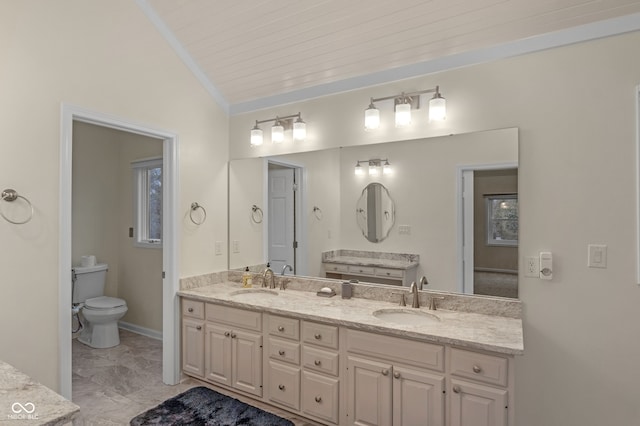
<point>256,214</point>
<point>317,212</point>
<point>11,195</point>
<point>195,206</point>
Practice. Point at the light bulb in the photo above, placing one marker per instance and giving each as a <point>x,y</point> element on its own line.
<point>256,136</point>
<point>373,169</point>
<point>371,118</point>
<point>299,130</point>
<point>403,114</point>
<point>277,133</point>
<point>386,168</point>
<point>437,107</point>
<point>358,170</point>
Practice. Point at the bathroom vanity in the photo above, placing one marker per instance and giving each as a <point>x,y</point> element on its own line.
<point>355,361</point>
<point>375,267</point>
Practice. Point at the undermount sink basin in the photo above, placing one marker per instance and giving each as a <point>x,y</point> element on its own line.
<point>253,293</point>
<point>406,316</point>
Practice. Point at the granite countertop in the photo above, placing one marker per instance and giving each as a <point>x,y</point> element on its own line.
<point>370,261</point>
<point>464,329</point>
<point>23,401</point>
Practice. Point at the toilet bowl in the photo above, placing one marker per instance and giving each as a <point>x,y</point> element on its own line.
<point>101,316</point>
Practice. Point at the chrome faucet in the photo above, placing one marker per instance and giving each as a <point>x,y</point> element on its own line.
<point>268,271</point>
<point>285,267</point>
<point>423,282</point>
<point>414,290</point>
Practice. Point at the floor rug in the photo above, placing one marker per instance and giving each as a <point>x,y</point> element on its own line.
<point>203,406</point>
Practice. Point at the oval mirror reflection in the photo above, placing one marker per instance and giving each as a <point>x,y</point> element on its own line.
<point>375,212</point>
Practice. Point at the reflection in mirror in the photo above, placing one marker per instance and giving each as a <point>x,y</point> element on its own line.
<point>375,213</point>
<point>427,183</point>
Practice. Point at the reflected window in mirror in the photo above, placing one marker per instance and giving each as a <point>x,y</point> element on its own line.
<point>502,219</point>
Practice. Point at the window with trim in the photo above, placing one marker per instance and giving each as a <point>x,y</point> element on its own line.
<point>147,190</point>
<point>502,219</point>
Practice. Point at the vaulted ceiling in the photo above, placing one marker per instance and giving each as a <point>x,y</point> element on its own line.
<point>256,53</point>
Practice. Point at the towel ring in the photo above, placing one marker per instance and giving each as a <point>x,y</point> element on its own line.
<point>256,214</point>
<point>11,195</point>
<point>317,212</point>
<point>194,207</point>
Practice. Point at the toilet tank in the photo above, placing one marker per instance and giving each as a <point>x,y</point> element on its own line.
<point>89,282</point>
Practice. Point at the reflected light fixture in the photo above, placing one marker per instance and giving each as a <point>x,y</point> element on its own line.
<point>375,166</point>
<point>403,104</point>
<point>358,170</point>
<point>299,129</point>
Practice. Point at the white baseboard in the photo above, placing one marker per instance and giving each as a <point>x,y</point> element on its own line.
<point>154,334</point>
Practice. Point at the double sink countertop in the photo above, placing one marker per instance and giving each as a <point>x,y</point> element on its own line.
<point>464,329</point>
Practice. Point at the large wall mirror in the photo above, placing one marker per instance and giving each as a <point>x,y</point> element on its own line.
<point>309,200</point>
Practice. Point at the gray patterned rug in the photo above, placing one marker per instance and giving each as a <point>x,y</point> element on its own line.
<point>203,406</point>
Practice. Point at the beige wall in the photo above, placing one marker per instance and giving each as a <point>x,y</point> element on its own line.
<point>575,108</point>
<point>106,57</point>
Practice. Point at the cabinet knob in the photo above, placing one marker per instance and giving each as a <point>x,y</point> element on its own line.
<point>317,362</point>
<point>227,334</point>
<point>198,327</point>
<point>190,309</point>
<point>280,328</point>
<point>477,369</point>
<point>385,372</point>
<point>318,336</point>
<point>281,387</point>
<point>456,389</point>
<point>396,375</point>
<point>281,353</point>
<point>318,399</point>
<point>233,335</point>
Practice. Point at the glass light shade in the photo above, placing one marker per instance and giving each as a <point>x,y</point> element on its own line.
<point>437,108</point>
<point>358,170</point>
<point>373,169</point>
<point>371,118</point>
<point>277,133</point>
<point>386,168</point>
<point>256,136</point>
<point>403,114</point>
<point>299,130</point>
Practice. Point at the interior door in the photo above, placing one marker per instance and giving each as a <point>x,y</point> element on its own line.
<point>281,218</point>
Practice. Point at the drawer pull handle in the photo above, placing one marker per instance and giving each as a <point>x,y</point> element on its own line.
<point>233,335</point>
<point>280,328</point>
<point>199,327</point>
<point>318,399</point>
<point>281,353</point>
<point>318,336</point>
<point>281,387</point>
<point>385,372</point>
<point>477,369</point>
<point>317,362</point>
<point>227,334</point>
<point>456,389</point>
<point>190,309</point>
<point>396,375</point>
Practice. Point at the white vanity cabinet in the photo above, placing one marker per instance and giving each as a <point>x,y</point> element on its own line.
<point>233,348</point>
<point>393,381</point>
<point>193,337</point>
<point>378,274</point>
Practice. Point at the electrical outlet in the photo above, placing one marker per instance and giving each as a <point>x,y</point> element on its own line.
<point>236,246</point>
<point>218,248</point>
<point>531,267</point>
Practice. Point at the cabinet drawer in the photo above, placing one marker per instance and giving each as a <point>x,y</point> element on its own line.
<point>335,267</point>
<point>250,320</point>
<point>319,360</point>
<point>320,334</point>
<point>389,273</point>
<point>397,349</point>
<point>484,368</point>
<point>320,396</point>
<point>284,327</point>
<point>284,385</point>
<point>365,270</point>
<point>284,350</point>
<point>192,308</point>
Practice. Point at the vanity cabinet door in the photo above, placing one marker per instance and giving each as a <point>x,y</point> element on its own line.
<point>369,392</point>
<point>473,404</point>
<point>217,353</point>
<point>193,347</point>
<point>246,361</point>
<point>418,397</point>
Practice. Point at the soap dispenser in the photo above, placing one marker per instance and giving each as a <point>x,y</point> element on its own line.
<point>247,278</point>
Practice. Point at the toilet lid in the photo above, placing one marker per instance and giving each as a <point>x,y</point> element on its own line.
<point>104,302</point>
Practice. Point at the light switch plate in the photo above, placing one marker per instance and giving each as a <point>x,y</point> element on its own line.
<point>597,256</point>
<point>218,248</point>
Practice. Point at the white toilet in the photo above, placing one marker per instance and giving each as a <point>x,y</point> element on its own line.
<point>101,313</point>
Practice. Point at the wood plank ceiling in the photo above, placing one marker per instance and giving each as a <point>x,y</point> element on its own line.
<point>252,49</point>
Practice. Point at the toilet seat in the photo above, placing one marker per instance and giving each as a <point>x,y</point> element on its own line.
<point>104,302</point>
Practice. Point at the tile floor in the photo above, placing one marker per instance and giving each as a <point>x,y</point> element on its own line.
<point>113,385</point>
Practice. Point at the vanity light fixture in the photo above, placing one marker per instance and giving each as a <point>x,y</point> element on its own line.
<point>375,166</point>
<point>403,103</point>
<point>277,130</point>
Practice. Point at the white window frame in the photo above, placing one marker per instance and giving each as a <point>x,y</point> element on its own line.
<point>140,170</point>
<point>491,241</point>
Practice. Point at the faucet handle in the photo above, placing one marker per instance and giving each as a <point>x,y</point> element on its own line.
<point>403,300</point>
<point>432,302</point>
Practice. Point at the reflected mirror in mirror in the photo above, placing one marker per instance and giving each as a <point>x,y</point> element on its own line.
<point>426,186</point>
<point>375,214</point>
